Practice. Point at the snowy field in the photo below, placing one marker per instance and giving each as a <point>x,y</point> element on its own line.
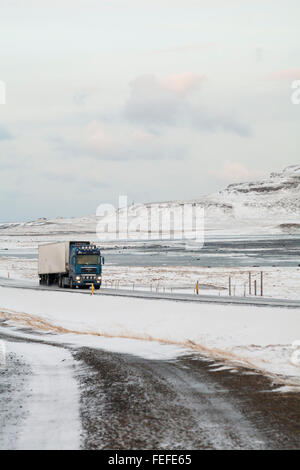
<point>279,282</point>
<point>258,338</point>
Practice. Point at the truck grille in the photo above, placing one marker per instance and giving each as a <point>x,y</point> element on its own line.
<point>89,270</point>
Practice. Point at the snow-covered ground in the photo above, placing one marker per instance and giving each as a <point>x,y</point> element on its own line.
<point>258,338</point>
<point>279,282</point>
<point>52,397</point>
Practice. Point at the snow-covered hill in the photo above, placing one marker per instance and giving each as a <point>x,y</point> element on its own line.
<point>279,192</point>
<point>268,206</point>
<point>271,204</point>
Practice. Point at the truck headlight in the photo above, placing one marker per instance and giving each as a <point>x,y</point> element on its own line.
<point>99,278</point>
<point>77,278</point>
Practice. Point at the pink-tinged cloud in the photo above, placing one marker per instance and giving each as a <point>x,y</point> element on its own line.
<point>173,101</point>
<point>287,74</point>
<point>98,138</point>
<point>95,133</point>
<point>100,141</point>
<point>234,171</point>
<point>182,83</point>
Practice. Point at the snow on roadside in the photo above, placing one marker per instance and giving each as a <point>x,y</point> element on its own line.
<point>152,350</point>
<point>258,337</point>
<point>279,282</point>
<point>51,401</point>
<point>18,268</point>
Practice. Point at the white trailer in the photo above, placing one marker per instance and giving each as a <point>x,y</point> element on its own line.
<point>54,258</point>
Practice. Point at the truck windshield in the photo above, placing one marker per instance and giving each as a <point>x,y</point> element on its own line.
<point>88,259</point>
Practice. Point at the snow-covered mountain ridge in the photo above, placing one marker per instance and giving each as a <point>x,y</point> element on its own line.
<point>268,206</point>
<point>287,179</point>
<point>279,193</point>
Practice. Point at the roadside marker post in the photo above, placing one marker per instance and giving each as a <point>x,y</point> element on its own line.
<point>197,287</point>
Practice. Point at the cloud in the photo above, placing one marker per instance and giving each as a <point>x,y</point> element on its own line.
<point>4,134</point>
<point>259,53</point>
<point>184,49</point>
<point>83,95</point>
<point>119,143</point>
<point>176,100</point>
<point>97,140</point>
<point>286,74</point>
<point>234,171</point>
<point>203,118</point>
<point>182,83</point>
<point>73,177</point>
<point>153,102</point>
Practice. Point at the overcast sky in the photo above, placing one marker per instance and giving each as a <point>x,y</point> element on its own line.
<point>156,99</point>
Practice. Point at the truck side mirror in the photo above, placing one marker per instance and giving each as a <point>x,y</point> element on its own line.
<point>103,261</point>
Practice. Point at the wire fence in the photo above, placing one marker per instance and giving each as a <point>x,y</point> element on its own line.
<point>253,286</point>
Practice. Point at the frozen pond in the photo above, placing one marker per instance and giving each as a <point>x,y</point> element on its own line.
<point>279,251</point>
<point>216,253</point>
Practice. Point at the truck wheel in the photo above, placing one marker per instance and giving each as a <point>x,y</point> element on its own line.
<point>60,282</point>
<point>71,283</point>
<point>47,280</point>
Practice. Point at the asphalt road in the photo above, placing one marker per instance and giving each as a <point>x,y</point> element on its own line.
<point>127,402</point>
<point>256,301</point>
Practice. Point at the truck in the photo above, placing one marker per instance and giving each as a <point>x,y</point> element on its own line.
<point>70,264</point>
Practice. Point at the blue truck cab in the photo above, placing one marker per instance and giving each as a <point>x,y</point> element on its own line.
<point>85,265</point>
